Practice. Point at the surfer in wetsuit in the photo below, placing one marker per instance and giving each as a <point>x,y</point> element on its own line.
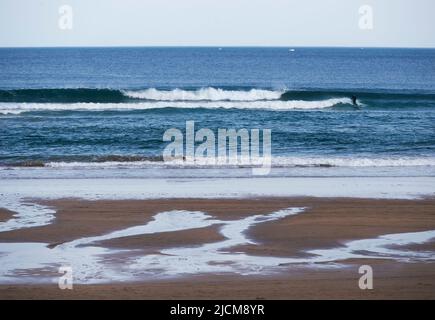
<point>354,100</point>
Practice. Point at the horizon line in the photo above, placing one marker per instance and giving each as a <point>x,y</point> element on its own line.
<point>215,46</point>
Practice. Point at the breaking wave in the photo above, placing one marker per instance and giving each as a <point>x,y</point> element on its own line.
<point>17,108</point>
<point>25,100</point>
<point>205,94</point>
<point>277,162</point>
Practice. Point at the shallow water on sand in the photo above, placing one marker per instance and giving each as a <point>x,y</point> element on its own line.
<point>91,262</point>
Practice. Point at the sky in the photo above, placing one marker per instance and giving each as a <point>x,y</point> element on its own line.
<point>388,23</point>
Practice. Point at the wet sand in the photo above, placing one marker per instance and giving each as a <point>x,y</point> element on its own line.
<point>391,281</point>
<point>326,223</point>
<point>5,215</point>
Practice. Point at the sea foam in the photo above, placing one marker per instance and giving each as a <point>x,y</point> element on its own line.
<point>210,94</point>
<point>276,105</point>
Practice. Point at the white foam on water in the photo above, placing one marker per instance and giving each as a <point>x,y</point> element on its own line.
<point>385,247</point>
<point>35,262</point>
<point>277,105</point>
<point>277,161</point>
<point>26,214</point>
<point>392,161</point>
<point>210,94</point>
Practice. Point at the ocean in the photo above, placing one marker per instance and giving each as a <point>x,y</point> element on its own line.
<point>102,112</point>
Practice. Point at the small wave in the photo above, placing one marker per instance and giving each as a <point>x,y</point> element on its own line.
<point>67,95</point>
<point>106,164</point>
<point>353,162</point>
<point>205,94</point>
<point>85,160</point>
<point>134,161</point>
<point>386,96</point>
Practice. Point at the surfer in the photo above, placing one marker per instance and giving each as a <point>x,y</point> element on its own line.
<point>354,101</point>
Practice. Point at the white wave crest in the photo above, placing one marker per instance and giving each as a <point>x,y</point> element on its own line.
<point>17,108</point>
<point>278,161</point>
<point>204,94</point>
<point>354,161</point>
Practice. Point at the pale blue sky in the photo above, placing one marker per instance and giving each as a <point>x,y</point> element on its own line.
<point>397,23</point>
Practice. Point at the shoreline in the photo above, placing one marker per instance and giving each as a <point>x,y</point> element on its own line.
<point>215,188</point>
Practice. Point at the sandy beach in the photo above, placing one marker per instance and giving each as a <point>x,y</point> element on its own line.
<point>217,150</point>
<point>392,281</point>
<point>324,224</point>
<point>5,215</point>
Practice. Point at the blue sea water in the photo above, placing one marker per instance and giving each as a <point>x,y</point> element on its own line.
<point>99,107</point>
